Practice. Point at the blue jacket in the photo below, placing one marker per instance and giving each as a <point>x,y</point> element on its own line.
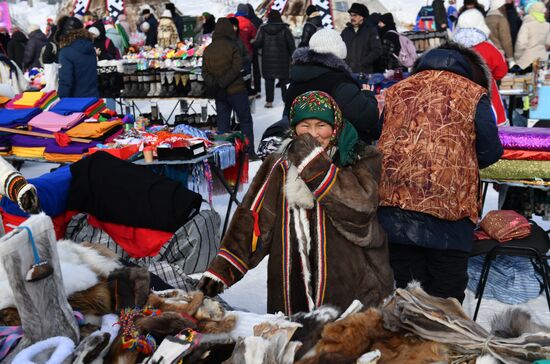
<point>416,228</point>
<point>78,72</point>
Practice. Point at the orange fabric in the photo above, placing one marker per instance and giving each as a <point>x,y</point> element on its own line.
<point>92,130</point>
<point>137,242</point>
<point>63,158</point>
<point>532,155</point>
<point>429,161</point>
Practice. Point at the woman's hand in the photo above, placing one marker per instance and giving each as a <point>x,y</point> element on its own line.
<point>301,147</point>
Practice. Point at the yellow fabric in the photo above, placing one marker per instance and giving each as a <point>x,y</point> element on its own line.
<point>4,99</point>
<point>92,130</point>
<point>26,152</point>
<point>62,158</point>
<point>29,98</point>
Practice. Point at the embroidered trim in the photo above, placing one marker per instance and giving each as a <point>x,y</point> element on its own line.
<point>286,250</point>
<point>326,183</point>
<point>311,156</point>
<point>322,256</point>
<point>217,277</point>
<point>233,260</point>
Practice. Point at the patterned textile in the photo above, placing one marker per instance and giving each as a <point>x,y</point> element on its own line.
<point>432,172</point>
<point>190,250</point>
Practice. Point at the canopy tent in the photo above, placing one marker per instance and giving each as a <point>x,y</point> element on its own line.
<point>334,11</point>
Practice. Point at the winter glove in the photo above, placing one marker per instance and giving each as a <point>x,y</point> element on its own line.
<point>303,148</point>
<point>27,199</point>
<point>210,287</point>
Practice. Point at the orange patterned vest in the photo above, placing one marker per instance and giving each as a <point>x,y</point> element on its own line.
<point>428,145</point>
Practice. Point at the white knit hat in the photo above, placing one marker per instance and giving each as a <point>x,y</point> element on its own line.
<point>328,41</point>
<point>473,19</point>
<point>94,31</point>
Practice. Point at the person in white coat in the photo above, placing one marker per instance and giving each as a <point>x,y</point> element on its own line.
<point>533,37</point>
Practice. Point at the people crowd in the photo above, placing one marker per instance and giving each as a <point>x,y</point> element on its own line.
<point>369,196</point>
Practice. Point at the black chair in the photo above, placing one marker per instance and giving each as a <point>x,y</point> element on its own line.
<point>533,247</point>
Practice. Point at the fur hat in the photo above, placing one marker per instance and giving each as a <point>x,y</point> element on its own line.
<point>359,9</point>
<point>166,14</point>
<point>32,28</point>
<point>328,41</point>
<point>473,18</point>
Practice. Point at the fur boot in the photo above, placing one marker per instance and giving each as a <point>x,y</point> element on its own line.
<point>42,305</point>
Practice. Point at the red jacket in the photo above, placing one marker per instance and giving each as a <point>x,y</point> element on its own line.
<point>498,67</point>
<point>247,32</point>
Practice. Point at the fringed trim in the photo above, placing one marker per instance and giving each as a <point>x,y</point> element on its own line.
<point>302,228</point>
<point>216,277</point>
<point>322,256</point>
<point>326,183</point>
<point>234,260</point>
<point>286,251</point>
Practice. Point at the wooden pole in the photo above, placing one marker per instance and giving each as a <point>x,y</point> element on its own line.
<point>42,135</point>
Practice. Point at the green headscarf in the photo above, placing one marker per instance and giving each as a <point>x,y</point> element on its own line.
<point>320,105</point>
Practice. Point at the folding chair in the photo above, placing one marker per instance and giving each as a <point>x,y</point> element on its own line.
<point>533,247</point>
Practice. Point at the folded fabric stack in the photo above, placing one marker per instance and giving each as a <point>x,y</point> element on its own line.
<point>50,121</point>
<point>35,147</point>
<point>526,156</point>
<point>71,105</point>
<point>95,109</point>
<point>102,130</point>
<point>33,99</point>
<point>15,118</point>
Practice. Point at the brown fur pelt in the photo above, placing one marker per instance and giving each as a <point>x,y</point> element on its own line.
<point>129,287</point>
<point>167,323</point>
<point>9,317</point>
<point>347,339</point>
<point>95,300</point>
<point>210,315</point>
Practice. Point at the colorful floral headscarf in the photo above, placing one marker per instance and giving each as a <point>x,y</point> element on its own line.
<point>320,105</point>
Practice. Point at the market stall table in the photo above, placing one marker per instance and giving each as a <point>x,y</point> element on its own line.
<point>512,97</point>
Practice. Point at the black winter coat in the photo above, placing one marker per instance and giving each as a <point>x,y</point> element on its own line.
<point>277,45</point>
<point>310,27</point>
<point>514,20</point>
<point>78,72</point>
<point>364,48</point>
<point>390,49</point>
<point>151,35</point>
<point>416,228</point>
<point>4,41</point>
<point>440,14</point>
<point>313,71</point>
<point>36,41</point>
<point>16,48</point>
<point>178,21</point>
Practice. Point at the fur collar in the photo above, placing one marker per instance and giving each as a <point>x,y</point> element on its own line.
<point>297,192</point>
<point>306,55</point>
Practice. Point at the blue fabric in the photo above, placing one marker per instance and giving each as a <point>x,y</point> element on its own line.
<point>71,105</point>
<point>78,72</point>
<point>53,193</point>
<point>19,117</point>
<point>511,280</point>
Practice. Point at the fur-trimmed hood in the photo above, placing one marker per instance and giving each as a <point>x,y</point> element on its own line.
<point>306,56</point>
<point>458,59</point>
<point>74,36</point>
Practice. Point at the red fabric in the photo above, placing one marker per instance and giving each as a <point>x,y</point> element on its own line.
<point>59,222</point>
<point>505,225</point>
<point>137,242</point>
<point>247,32</point>
<point>62,139</point>
<point>531,155</point>
<point>498,67</point>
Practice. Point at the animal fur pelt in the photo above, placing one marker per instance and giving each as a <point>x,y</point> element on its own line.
<point>9,317</point>
<point>514,323</point>
<point>312,327</point>
<point>129,287</point>
<point>91,348</point>
<point>81,265</point>
<point>277,349</point>
<point>93,301</point>
<point>346,340</point>
<point>209,313</point>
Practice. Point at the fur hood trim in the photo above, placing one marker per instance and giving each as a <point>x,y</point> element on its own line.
<point>306,55</point>
<point>75,35</point>
<point>446,59</point>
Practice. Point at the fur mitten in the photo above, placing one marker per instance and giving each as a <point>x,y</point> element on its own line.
<point>304,149</point>
<point>209,286</point>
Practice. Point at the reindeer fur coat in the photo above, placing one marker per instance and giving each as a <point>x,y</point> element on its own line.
<point>322,236</point>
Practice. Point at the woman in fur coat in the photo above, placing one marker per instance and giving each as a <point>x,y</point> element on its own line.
<point>167,32</point>
<point>312,209</point>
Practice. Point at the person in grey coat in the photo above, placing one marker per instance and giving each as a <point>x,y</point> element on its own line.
<point>362,41</point>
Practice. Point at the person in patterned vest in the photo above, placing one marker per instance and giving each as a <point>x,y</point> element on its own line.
<point>438,131</point>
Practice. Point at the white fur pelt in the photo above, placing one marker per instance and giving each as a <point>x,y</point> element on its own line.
<point>486,359</point>
<point>297,192</point>
<point>80,268</point>
<point>64,347</point>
